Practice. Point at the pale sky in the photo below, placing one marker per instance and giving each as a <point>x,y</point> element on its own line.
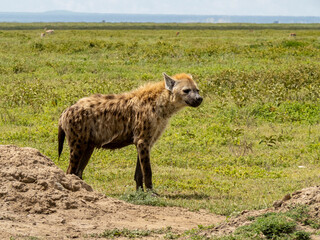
<point>206,7</point>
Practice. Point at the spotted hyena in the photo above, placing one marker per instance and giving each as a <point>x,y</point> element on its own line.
<point>118,120</point>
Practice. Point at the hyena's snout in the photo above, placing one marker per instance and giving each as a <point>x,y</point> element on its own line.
<point>198,100</point>
<point>195,100</point>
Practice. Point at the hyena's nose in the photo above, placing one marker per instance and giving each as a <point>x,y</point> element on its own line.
<point>199,99</point>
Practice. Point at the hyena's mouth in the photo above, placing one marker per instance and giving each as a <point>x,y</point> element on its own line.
<point>194,103</point>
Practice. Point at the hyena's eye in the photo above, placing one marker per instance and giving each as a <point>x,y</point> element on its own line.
<point>186,90</point>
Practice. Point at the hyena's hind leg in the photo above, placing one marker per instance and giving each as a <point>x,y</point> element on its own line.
<point>138,177</point>
<point>73,161</point>
<point>79,158</point>
<point>88,150</point>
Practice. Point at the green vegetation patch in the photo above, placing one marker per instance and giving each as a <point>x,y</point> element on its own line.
<point>115,233</point>
<point>271,226</point>
<point>278,225</point>
<point>165,233</point>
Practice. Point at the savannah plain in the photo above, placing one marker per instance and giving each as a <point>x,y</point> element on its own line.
<point>254,139</point>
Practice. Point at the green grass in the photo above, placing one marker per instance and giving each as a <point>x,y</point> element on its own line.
<point>143,198</point>
<point>114,233</point>
<point>271,226</point>
<point>165,233</point>
<point>239,150</point>
<point>277,226</point>
<point>27,238</point>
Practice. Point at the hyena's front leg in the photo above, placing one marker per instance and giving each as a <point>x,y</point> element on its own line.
<point>144,157</point>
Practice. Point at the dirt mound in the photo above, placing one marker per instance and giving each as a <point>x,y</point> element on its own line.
<point>38,199</point>
<point>32,183</point>
<point>306,197</point>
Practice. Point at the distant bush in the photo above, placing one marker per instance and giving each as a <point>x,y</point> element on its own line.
<point>293,43</point>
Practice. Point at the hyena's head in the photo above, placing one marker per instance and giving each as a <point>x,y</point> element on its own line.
<point>184,89</point>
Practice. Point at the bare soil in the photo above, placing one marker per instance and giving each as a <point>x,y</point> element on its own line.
<point>37,199</point>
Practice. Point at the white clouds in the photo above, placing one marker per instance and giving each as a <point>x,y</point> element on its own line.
<point>209,7</point>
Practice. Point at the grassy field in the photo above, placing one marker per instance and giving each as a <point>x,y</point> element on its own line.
<point>255,138</point>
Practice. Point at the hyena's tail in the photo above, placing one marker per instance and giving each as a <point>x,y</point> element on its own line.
<point>61,137</point>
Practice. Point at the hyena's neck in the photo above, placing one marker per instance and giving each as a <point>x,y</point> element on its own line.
<point>158,98</point>
<point>166,104</point>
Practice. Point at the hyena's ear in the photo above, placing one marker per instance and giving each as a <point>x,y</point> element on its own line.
<point>169,82</point>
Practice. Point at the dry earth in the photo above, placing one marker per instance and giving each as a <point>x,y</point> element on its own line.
<point>38,199</point>
<point>307,196</point>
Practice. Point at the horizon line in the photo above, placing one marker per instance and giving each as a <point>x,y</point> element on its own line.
<point>174,14</point>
